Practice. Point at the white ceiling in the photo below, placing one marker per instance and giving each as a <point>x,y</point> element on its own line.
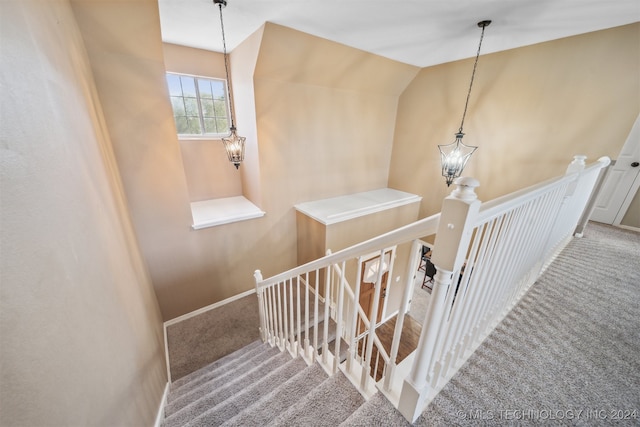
<point>418,32</point>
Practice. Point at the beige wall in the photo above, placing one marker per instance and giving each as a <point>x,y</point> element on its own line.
<point>125,50</point>
<point>531,110</point>
<point>208,172</point>
<point>323,131</point>
<point>632,217</point>
<point>81,330</point>
<point>325,115</point>
<point>320,119</point>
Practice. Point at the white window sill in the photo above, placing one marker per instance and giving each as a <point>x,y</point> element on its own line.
<point>210,213</point>
<point>201,137</point>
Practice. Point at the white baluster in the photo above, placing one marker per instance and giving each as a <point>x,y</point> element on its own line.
<point>327,302</point>
<point>292,346</point>
<point>259,292</point>
<point>279,313</point>
<point>285,314</point>
<point>414,259</point>
<point>315,314</point>
<point>353,350</point>
<point>299,343</point>
<point>272,316</point>
<point>336,359</point>
<point>306,316</point>
<point>366,367</point>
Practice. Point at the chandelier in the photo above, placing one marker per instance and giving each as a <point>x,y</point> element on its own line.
<point>454,156</point>
<point>233,144</point>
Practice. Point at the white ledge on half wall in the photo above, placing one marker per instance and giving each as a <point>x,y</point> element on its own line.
<point>342,208</point>
<point>209,213</point>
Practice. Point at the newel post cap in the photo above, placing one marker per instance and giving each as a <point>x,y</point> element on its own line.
<point>577,164</point>
<point>465,188</point>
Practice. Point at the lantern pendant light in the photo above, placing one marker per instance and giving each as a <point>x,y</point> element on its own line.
<point>233,144</point>
<point>454,156</point>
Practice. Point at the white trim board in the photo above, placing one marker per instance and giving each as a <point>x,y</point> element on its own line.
<point>207,308</point>
<point>342,208</point>
<point>210,213</point>
<point>628,227</point>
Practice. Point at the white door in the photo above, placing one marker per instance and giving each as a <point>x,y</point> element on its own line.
<point>621,182</point>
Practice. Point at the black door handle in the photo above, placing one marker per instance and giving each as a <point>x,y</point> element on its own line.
<point>635,164</point>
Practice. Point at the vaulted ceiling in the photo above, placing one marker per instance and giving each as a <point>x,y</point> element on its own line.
<point>416,32</point>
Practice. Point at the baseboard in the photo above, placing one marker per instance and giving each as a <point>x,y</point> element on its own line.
<point>628,227</point>
<point>193,314</point>
<point>390,316</point>
<point>207,308</point>
<point>163,402</point>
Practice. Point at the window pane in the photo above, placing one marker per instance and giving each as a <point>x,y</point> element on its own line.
<point>207,107</point>
<point>205,88</point>
<point>218,88</point>
<point>188,86</point>
<point>222,125</point>
<point>195,107</point>
<point>191,107</point>
<point>178,106</point>
<point>194,125</point>
<point>182,125</point>
<point>173,82</point>
<point>210,126</point>
<point>220,108</point>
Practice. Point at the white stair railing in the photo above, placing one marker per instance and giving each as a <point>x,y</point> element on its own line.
<point>486,256</point>
<point>332,298</point>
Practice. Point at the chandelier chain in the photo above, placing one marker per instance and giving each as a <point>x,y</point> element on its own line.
<point>226,68</point>
<point>466,104</point>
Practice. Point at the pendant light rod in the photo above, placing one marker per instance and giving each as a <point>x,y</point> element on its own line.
<point>454,156</point>
<point>233,144</point>
<point>483,25</point>
<point>221,4</point>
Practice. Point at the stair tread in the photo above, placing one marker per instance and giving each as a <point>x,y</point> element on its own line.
<point>250,395</point>
<point>339,400</point>
<point>221,372</point>
<point>229,358</point>
<point>215,382</point>
<point>376,412</point>
<point>278,400</point>
<point>214,396</point>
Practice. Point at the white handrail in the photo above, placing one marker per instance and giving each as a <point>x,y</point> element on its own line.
<point>495,206</point>
<point>424,227</point>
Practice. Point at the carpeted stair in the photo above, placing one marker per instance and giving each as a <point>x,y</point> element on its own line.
<point>259,385</point>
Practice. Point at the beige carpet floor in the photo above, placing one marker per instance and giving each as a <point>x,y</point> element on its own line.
<point>202,339</point>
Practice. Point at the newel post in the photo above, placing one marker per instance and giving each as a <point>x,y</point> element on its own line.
<point>606,164</point>
<point>577,165</point>
<point>459,210</point>
<point>263,330</point>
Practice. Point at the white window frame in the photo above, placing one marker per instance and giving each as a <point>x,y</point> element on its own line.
<point>195,136</point>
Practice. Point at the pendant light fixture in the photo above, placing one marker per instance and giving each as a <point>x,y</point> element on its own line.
<point>455,156</point>
<point>233,144</point>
